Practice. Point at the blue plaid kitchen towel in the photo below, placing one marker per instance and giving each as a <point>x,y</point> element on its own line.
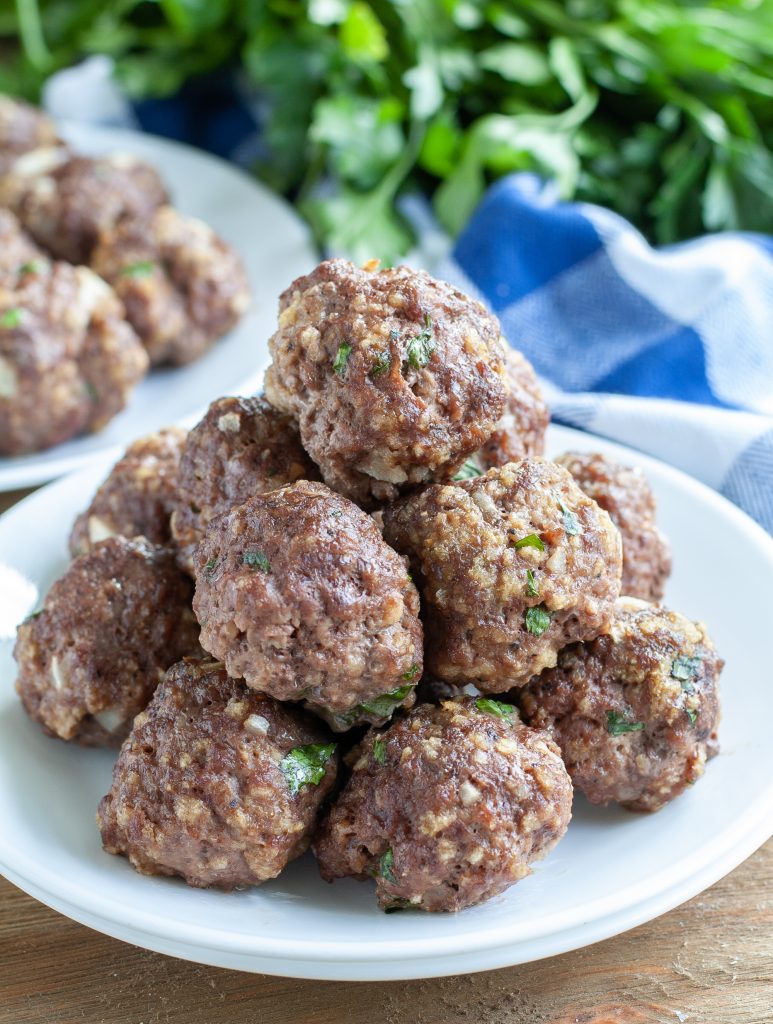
<point>667,350</point>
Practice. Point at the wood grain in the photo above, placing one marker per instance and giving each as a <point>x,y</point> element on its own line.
<point>707,962</point>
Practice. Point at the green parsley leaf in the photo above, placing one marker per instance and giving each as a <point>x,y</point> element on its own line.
<point>378,707</point>
<point>341,359</point>
<point>617,724</point>
<point>692,715</point>
<point>142,268</point>
<point>685,669</point>
<point>571,522</point>
<point>537,620</point>
<point>32,267</point>
<point>209,566</point>
<point>531,585</point>
<point>92,391</point>
<point>382,364</point>
<point>379,751</point>
<point>12,317</point>
<point>531,540</point>
<point>305,766</point>
<point>386,865</point>
<point>412,672</point>
<point>468,470</point>
<point>494,707</point>
<point>420,349</point>
<point>257,560</point>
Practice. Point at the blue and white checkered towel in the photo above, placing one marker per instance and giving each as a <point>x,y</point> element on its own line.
<point>667,350</point>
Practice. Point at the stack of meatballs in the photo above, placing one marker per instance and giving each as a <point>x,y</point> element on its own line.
<point>363,613</point>
<point>100,278</point>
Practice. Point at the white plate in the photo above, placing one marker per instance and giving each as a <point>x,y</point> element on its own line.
<point>612,871</point>
<point>276,248</point>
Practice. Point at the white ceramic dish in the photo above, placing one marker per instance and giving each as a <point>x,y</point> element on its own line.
<point>275,246</point>
<point>612,871</point>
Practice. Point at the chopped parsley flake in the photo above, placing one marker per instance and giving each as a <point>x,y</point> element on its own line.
<point>571,522</point>
<point>379,751</point>
<point>531,540</point>
<point>33,267</point>
<point>257,560</point>
<point>420,349</point>
<point>617,724</point>
<point>12,317</point>
<point>379,707</point>
<point>92,391</point>
<point>494,707</point>
<point>537,620</point>
<point>692,715</point>
<point>531,585</point>
<point>386,865</point>
<point>305,766</point>
<point>209,567</point>
<point>468,470</point>
<point>341,359</point>
<point>684,669</point>
<point>142,268</point>
<point>382,364</point>
<point>412,672</point>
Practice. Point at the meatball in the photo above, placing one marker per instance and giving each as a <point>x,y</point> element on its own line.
<point>90,660</point>
<point>240,448</point>
<point>512,566</point>
<point>68,359</point>
<point>18,253</point>
<point>393,377</point>
<point>521,430</point>
<point>447,808</point>
<point>22,128</point>
<point>182,285</point>
<point>635,711</point>
<point>65,201</point>
<point>298,594</point>
<point>624,492</point>
<point>216,783</point>
<point>137,498</point>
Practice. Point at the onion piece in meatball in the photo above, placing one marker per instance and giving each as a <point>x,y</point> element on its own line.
<point>90,660</point>
<point>635,711</point>
<point>448,807</point>
<point>66,201</point>
<point>512,566</point>
<point>216,783</point>
<point>623,491</point>
<point>240,448</point>
<point>298,594</point>
<point>68,359</point>
<point>394,377</point>
<point>137,498</point>
<point>182,285</point>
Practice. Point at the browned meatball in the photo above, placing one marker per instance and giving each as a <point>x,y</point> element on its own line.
<point>298,594</point>
<point>394,377</point>
<point>447,808</point>
<point>512,566</point>
<point>18,253</point>
<point>216,783</point>
<point>182,285</point>
<point>137,498</point>
<point>624,492</point>
<point>68,359</point>
<point>634,712</point>
<point>90,660</point>
<point>23,127</point>
<point>240,448</point>
<point>65,201</point>
<point>521,430</point>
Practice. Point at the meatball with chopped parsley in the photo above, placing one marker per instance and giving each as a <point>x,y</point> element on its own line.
<point>624,492</point>
<point>66,201</point>
<point>448,807</point>
<point>216,783</point>
<point>69,361</point>
<point>521,430</point>
<point>511,566</point>
<point>182,285</point>
<point>137,498</point>
<point>90,660</point>
<point>635,712</point>
<point>241,447</point>
<point>298,594</point>
<point>394,377</point>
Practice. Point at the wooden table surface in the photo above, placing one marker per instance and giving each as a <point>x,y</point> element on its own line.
<point>709,961</point>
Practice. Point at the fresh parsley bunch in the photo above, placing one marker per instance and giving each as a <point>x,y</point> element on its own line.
<point>662,110</point>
